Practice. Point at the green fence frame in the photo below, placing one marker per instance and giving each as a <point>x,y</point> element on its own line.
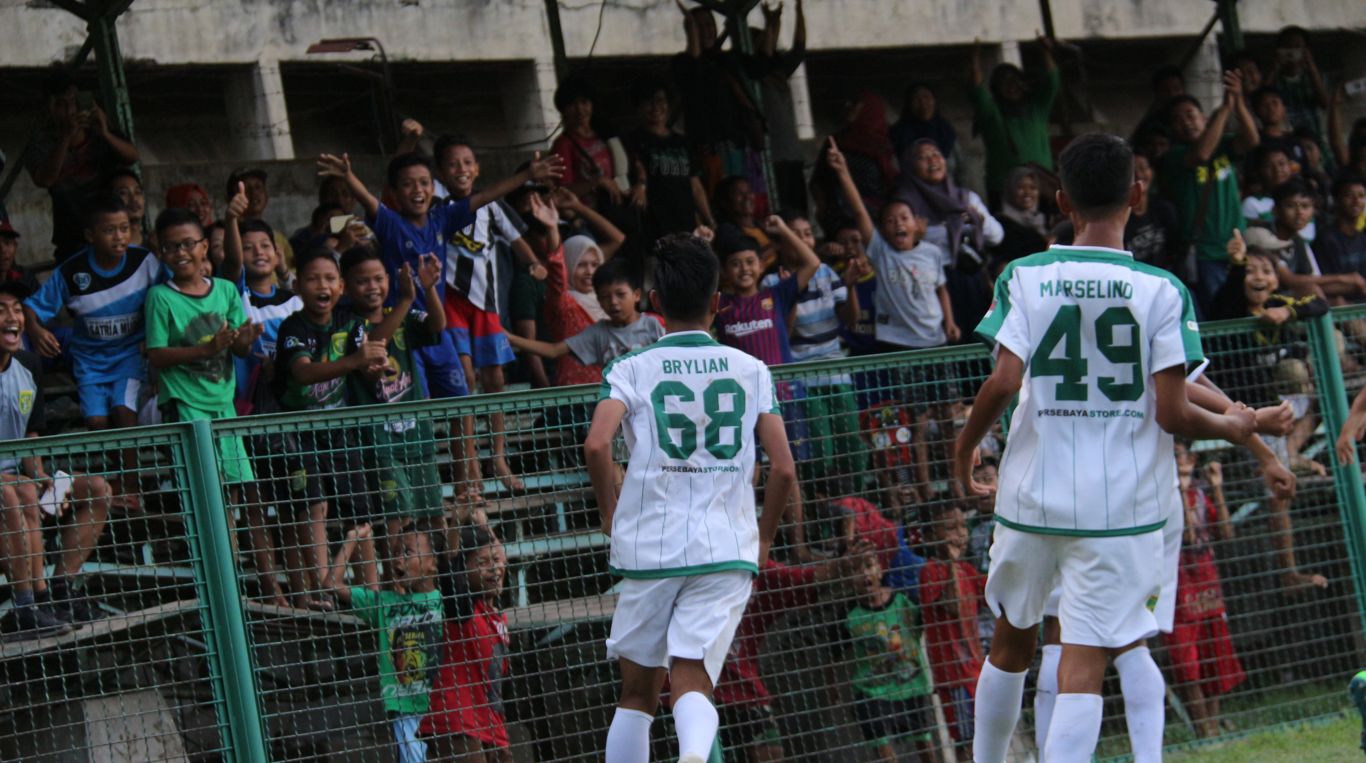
<point>234,685</point>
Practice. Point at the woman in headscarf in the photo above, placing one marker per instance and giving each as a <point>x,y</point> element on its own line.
<point>957,222</point>
<point>571,305</point>
<point>1025,225</point>
<point>867,145</point>
<point>920,118</point>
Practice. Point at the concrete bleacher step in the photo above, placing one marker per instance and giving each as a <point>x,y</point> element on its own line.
<point>555,544</point>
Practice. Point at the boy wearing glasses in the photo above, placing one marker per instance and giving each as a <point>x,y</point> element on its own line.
<point>103,287</point>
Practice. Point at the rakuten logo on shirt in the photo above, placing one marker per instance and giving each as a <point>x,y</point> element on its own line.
<point>745,328</point>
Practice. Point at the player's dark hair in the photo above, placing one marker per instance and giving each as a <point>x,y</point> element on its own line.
<point>616,271</point>
<point>170,218</point>
<point>686,274</point>
<point>313,255</point>
<point>103,204</point>
<point>403,161</point>
<point>1163,73</point>
<point>257,226</point>
<point>448,142</point>
<point>1291,188</point>
<point>1097,173</point>
<point>356,255</point>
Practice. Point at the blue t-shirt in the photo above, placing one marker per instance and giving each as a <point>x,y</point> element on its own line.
<point>816,326</point>
<point>401,241</point>
<point>107,305</point>
<point>904,575</point>
<point>269,310</point>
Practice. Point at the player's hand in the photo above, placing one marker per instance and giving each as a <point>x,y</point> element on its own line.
<point>952,332</point>
<point>331,165</point>
<point>834,158</point>
<point>1243,422</point>
<point>1275,420</point>
<point>545,170</point>
<point>1275,315</point>
<point>1279,480</point>
<point>764,547</point>
<point>1295,581</point>
<point>237,205</point>
<point>963,464</point>
<point>44,341</point>
<point>428,271</point>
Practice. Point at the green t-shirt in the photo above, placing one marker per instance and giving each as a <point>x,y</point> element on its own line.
<point>1018,138</point>
<point>181,320</point>
<point>410,638</point>
<point>1184,186</point>
<point>400,383</point>
<point>888,661</point>
<point>299,337</point>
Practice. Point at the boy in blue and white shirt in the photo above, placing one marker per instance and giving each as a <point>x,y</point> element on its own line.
<point>103,287</point>
<point>684,533</point>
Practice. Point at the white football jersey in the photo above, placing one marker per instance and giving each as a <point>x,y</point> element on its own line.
<point>1085,455</point>
<point>687,505</point>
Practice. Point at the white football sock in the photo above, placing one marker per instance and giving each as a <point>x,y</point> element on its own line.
<point>1075,728</point>
<point>1144,703</point>
<point>1046,693</point>
<point>628,739</point>
<point>996,709</point>
<point>696,722</point>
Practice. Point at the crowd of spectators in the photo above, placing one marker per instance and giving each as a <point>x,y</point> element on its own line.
<point>421,284</point>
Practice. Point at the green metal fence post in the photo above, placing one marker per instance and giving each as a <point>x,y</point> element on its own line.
<point>1347,484</point>
<point>211,534</point>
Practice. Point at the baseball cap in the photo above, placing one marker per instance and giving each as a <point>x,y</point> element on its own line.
<point>1264,240</point>
<point>8,230</point>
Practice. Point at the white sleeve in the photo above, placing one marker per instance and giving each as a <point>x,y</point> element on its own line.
<point>1174,338</point>
<point>992,230</point>
<point>616,383</point>
<point>501,224</point>
<point>765,396</point>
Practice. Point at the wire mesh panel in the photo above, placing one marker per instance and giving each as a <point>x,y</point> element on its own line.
<point>104,646</point>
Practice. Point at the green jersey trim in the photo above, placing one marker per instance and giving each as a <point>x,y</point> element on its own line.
<point>681,339</point>
<point>678,572</point>
<point>1062,531</point>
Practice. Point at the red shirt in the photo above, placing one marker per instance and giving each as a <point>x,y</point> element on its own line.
<point>584,159</point>
<point>951,637</point>
<point>565,317</point>
<point>467,694</point>
<point>872,527</point>
<point>1199,594</point>
<point>778,589</point>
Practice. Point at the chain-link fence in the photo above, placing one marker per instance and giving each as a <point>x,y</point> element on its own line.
<point>431,578</point>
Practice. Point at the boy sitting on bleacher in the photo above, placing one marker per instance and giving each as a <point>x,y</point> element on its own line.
<point>42,606</point>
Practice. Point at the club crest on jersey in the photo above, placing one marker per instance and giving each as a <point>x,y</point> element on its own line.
<point>25,402</point>
<point>82,281</point>
<point>767,303</point>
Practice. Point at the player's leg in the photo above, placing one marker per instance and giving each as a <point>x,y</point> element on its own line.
<point>1023,570</point>
<point>706,613</point>
<point>639,642</point>
<point>90,499</point>
<point>628,738</point>
<point>1145,694</point>
<point>122,415</point>
<point>1046,686</point>
<point>469,454</point>
<point>492,379</point>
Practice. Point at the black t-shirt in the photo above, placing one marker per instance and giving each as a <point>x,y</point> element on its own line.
<point>709,89</point>
<point>300,337</point>
<point>668,180</point>
<point>1340,253</point>
<point>1155,237</point>
<point>77,182</point>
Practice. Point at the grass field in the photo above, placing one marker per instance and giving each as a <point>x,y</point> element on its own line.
<point>1332,742</point>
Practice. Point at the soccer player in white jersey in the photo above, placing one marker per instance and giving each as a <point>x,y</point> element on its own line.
<point>1097,347</point>
<point>684,533</point>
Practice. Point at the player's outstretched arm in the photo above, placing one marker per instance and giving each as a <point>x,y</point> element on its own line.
<point>597,452</point>
<point>782,476</point>
<point>992,399</point>
<point>1179,416</point>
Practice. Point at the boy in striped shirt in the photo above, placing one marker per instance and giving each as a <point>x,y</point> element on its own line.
<point>684,532</point>
<point>1096,347</point>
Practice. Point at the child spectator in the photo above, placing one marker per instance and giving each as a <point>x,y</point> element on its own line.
<point>1298,269</point>
<point>1253,285</point>
<point>665,184</point>
<point>623,330</point>
<point>103,287</point>
<point>466,715</point>
<point>830,408</point>
<point>403,452</point>
<point>673,615</point>
<point>590,169</point>
<point>42,605</point>
<point>1013,117</point>
<point>1199,646</point>
<point>1197,175</point>
<point>1340,247</point>
<point>69,155</point>
<point>891,681</point>
<point>125,184</point>
<point>912,302</point>
<point>843,254</point>
<point>407,615</point>
<point>735,205</point>
<point>1152,233</point>
<point>1296,77</point>
<point>10,269</point>
<point>1273,168</point>
<point>192,323</point>
<point>951,590</point>
<point>743,702</point>
<point>1276,131</point>
<point>193,197</point>
<point>253,181</point>
<point>754,318</point>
